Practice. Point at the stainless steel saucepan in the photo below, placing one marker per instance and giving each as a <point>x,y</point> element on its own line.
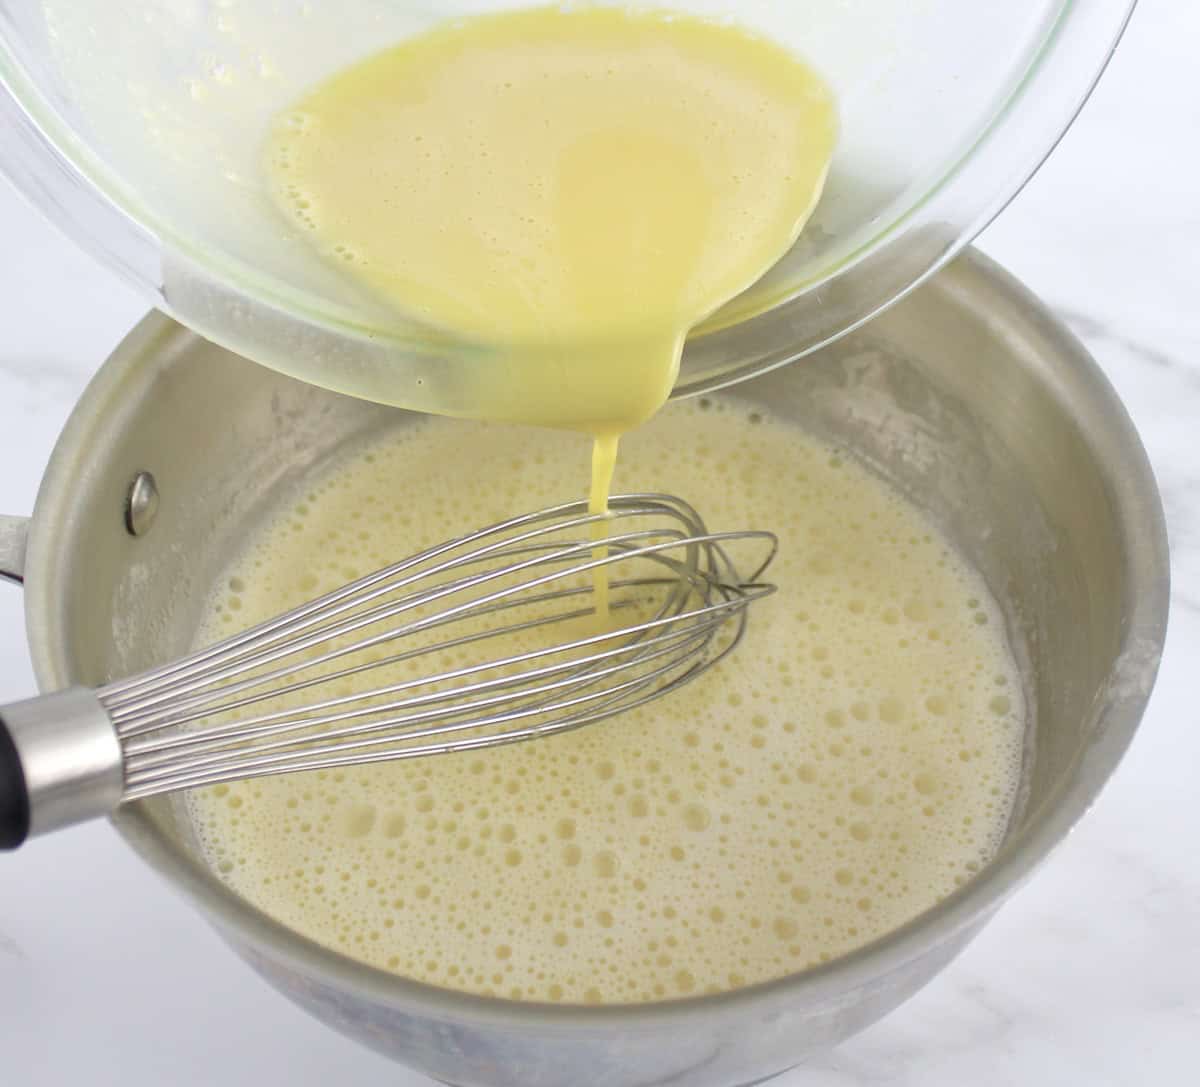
<point>968,396</point>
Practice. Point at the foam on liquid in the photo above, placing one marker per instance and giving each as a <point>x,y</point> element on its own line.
<point>853,762</point>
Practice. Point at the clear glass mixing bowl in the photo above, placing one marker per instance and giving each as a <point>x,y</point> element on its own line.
<point>136,125</point>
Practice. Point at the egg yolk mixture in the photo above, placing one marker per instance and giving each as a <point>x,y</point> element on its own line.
<point>573,187</point>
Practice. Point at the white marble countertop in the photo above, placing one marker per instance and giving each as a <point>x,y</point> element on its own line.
<point>1091,975</point>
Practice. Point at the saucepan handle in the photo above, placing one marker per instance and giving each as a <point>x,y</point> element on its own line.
<point>14,794</point>
<point>13,531</point>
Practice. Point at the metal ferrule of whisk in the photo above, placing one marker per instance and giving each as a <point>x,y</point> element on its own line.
<point>350,676</point>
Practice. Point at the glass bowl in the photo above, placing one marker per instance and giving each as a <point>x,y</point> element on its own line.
<point>136,126</point>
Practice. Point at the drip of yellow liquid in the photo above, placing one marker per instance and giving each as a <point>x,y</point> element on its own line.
<point>574,189</point>
<point>604,464</point>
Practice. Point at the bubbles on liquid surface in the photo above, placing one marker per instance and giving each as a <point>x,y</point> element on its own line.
<point>844,773</point>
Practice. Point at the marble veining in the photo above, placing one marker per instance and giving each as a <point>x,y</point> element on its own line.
<point>1097,331</point>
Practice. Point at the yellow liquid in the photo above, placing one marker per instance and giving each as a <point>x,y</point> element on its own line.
<point>849,766</point>
<point>573,188</point>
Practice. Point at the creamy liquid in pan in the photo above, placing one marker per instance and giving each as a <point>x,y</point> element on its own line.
<point>849,766</point>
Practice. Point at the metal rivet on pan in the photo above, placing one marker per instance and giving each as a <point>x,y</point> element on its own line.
<point>141,504</point>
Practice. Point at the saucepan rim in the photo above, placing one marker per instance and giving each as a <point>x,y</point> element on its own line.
<point>1122,464</point>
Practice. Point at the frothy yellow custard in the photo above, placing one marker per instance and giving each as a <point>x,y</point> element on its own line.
<point>853,762</point>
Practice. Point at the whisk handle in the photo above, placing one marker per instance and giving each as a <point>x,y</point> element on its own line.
<point>60,763</point>
<point>14,796</point>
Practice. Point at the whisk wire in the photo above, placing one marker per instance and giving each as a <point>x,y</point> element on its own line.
<point>186,725</point>
<point>250,657</point>
<point>353,755</point>
<point>420,725</point>
<point>268,724</point>
<point>361,591</point>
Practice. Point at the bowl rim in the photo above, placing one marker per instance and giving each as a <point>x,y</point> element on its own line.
<point>58,171</point>
<point>973,280</point>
